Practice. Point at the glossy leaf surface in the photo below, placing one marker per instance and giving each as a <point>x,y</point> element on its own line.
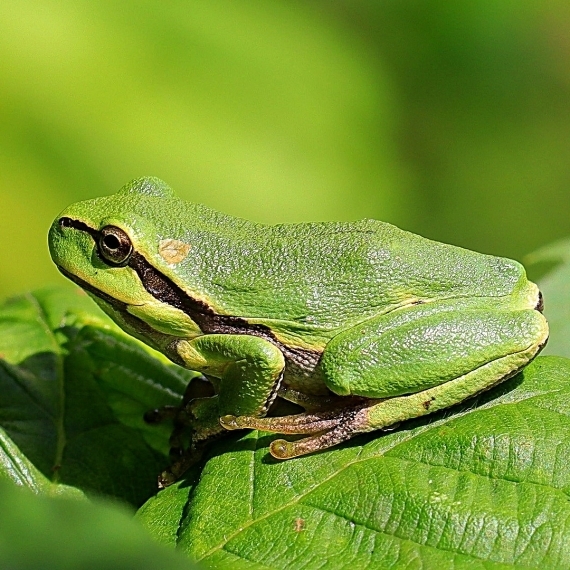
<point>484,485</point>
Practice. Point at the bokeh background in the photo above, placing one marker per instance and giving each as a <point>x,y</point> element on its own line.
<point>450,119</point>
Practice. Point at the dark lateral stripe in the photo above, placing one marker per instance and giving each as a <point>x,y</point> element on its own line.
<point>210,322</point>
<point>165,290</point>
<point>81,226</point>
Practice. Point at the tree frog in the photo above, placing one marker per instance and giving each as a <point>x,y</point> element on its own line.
<point>362,324</point>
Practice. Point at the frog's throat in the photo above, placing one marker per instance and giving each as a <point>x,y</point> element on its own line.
<point>167,291</point>
<point>136,326</point>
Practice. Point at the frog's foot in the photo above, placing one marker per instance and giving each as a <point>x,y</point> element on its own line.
<point>185,459</point>
<point>188,445</point>
<point>199,387</point>
<point>335,426</point>
<point>182,416</point>
<point>329,428</point>
<point>299,423</point>
<point>283,449</point>
<point>177,469</point>
<point>191,456</point>
<point>159,415</point>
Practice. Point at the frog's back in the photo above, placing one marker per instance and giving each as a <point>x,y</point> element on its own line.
<point>332,274</point>
<point>310,277</point>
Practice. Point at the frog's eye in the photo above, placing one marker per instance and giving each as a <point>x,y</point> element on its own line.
<point>115,246</point>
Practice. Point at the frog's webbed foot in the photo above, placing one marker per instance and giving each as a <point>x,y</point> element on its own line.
<point>186,459</point>
<point>327,428</point>
<point>180,421</point>
<point>195,424</point>
<point>198,388</point>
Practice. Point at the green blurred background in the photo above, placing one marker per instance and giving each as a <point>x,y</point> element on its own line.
<point>450,119</point>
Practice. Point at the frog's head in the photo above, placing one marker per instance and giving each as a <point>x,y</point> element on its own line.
<point>118,249</point>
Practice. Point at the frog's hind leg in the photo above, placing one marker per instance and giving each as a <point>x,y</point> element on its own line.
<point>336,426</point>
<point>347,423</point>
<point>428,364</point>
<point>283,449</point>
<point>294,424</point>
<point>327,428</point>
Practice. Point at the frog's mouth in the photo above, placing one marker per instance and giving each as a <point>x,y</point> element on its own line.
<point>136,326</point>
<point>110,300</point>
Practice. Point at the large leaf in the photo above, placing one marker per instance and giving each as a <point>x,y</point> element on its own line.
<point>482,486</point>
<point>552,266</point>
<point>73,391</point>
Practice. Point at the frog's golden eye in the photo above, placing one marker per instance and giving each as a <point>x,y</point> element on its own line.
<point>115,246</point>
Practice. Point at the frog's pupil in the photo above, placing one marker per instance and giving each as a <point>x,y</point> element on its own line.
<point>111,241</point>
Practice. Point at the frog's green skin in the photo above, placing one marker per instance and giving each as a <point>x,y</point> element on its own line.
<point>394,325</point>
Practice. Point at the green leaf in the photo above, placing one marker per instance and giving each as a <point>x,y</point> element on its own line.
<point>56,533</point>
<point>74,390</point>
<point>484,485</point>
<point>552,264</point>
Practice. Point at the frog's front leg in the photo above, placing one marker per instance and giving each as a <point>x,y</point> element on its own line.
<point>405,366</point>
<point>249,370</point>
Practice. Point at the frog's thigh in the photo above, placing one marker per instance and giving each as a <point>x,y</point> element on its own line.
<point>407,371</point>
<point>249,368</point>
<point>380,360</point>
<point>374,414</point>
